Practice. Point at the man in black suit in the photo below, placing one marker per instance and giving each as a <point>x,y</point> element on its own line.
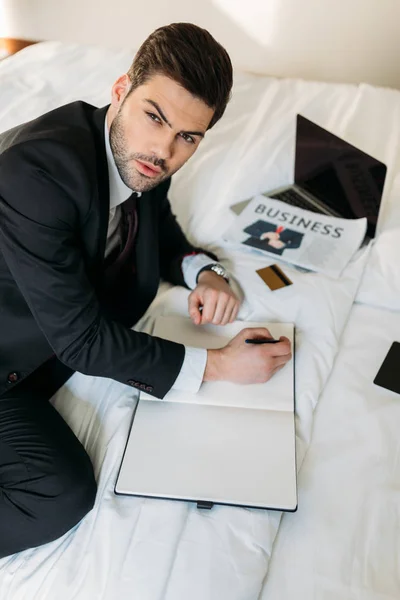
<point>86,233</point>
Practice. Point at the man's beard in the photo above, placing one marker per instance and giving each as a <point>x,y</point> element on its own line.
<point>129,174</point>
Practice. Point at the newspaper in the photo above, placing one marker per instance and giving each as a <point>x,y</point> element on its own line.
<point>310,240</point>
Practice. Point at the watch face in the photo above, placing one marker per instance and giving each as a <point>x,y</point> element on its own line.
<point>219,270</point>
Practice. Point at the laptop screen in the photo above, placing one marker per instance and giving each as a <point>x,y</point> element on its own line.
<point>338,174</point>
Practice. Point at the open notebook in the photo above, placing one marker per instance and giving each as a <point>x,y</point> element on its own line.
<point>227,444</point>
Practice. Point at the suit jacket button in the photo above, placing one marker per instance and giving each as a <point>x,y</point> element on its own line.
<point>149,388</point>
<point>131,382</point>
<point>12,377</point>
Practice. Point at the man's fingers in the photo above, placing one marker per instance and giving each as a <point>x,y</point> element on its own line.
<point>231,311</point>
<point>209,306</point>
<point>225,306</point>
<point>227,312</point>
<point>256,332</point>
<point>282,348</point>
<point>220,308</point>
<point>194,306</point>
<point>228,306</point>
<point>235,312</point>
<point>282,360</point>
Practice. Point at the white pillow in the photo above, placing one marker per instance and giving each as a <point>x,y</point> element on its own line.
<point>380,284</point>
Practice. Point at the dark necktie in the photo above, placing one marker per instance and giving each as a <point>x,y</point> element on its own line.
<point>122,257</point>
<point>118,290</point>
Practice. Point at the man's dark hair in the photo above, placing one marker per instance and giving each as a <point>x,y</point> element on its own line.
<point>190,56</point>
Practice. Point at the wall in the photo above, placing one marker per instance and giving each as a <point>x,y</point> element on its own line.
<point>331,40</point>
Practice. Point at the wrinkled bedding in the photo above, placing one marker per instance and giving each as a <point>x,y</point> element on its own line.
<point>343,543</point>
<point>164,550</point>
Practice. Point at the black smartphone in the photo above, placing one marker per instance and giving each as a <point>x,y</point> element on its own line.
<point>389,374</point>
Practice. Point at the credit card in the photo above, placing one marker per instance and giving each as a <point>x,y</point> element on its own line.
<point>274,277</point>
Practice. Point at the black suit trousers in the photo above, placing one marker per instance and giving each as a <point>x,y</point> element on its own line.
<point>47,483</point>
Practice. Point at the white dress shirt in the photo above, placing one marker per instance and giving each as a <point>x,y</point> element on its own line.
<point>194,364</point>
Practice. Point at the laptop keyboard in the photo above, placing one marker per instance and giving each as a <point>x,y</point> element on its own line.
<point>290,196</point>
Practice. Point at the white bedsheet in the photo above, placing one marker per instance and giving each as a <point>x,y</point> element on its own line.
<point>343,543</point>
<point>155,549</point>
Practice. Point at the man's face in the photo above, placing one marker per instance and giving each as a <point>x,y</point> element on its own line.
<point>155,130</point>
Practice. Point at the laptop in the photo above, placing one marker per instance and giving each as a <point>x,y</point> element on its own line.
<point>331,177</point>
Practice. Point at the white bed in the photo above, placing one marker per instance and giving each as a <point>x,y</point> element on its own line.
<point>160,550</point>
<point>344,541</point>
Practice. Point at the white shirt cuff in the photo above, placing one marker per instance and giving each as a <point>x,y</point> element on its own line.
<point>192,370</point>
<point>191,266</point>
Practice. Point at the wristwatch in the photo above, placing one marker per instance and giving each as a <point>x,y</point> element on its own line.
<point>217,268</point>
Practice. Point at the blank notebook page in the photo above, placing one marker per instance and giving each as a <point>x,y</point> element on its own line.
<point>276,394</point>
<point>211,453</point>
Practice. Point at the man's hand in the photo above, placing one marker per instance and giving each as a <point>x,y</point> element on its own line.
<point>273,239</point>
<point>219,304</point>
<point>276,244</point>
<point>270,235</point>
<point>247,363</point>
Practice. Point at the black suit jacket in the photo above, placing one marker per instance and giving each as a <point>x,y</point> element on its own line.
<point>54,208</point>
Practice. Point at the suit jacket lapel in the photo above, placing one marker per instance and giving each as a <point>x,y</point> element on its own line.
<point>103,189</point>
